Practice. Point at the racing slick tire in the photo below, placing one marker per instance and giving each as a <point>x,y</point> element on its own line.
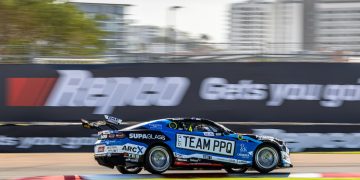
<point>158,159</point>
<point>266,158</point>
<point>236,170</point>
<point>128,170</point>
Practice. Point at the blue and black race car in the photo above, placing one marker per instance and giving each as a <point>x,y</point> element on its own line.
<point>184,143</point>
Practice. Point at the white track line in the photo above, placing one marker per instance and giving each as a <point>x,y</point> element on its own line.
<point>305,175</point>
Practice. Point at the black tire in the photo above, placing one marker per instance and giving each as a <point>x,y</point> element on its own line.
<point>128,170</point>
<point>158,159</point>
<point>237,170</point>
<point>266,158</point>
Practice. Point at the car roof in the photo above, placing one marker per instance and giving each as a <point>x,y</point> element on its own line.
<point>190,119</point>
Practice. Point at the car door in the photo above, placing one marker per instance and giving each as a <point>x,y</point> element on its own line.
<point>237,150</point>
<point>206,142</point>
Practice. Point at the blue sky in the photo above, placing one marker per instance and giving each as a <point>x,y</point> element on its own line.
<point>196,17</point>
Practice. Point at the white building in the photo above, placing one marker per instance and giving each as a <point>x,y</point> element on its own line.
<point>110,18</point>
<point>154,39</point>
<point>259,26</point>
<point>337,25</point>
<point>286,26</point>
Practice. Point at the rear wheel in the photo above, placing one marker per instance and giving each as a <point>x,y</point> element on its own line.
<point>158,159</point>
<point>266,158</point>
<point>129,170</point>
<point>236,170</point>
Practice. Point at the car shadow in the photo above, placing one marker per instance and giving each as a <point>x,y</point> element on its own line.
<point>184,175</point>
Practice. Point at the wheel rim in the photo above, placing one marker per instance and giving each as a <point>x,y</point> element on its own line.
<point>159,159</point>
<point>267,157</point>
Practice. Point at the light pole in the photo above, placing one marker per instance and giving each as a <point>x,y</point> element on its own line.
<point>170,27</point>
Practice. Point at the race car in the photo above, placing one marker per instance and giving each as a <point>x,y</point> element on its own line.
<point>184,143</point>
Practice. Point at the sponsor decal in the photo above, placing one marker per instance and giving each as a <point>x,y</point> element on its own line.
<point>100,149</point>
<point>243,155</point>
<point>214,158</point>
<point>111,149</point>
<point>113,120</point>
<point>242,162</point>
<point>243,148</point>
<point>194,160</point>
<point>178,155</point>
<point>105,132</point>
<point>133,149</point>
<point>328,95</point>
<point>132,158</point>
<point>147,136</point>
<point>155,126</point>
<point>261,138</point>
<point>207,157</point>
<point>181,159</point>
<point>126,148</point>
<point>78,88</point>
<point>300,141</point>
<point>208,134</point>
<point>205,144</point>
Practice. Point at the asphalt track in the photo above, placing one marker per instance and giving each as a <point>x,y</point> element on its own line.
<point>19,165</point>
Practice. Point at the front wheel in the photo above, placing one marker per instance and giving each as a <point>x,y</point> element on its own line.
<point>128,170</point>
<point>237,170</point>
<point>158,159</point>
<point>266,158</point>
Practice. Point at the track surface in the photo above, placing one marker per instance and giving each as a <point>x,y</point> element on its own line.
<point>41,164</point>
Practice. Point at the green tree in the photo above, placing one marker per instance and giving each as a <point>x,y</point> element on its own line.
<point>47,28</point>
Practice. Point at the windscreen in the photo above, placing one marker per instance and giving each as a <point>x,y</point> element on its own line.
<point>139,126</point>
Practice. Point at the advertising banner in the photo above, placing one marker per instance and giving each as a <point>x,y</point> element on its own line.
<point>233,92</point>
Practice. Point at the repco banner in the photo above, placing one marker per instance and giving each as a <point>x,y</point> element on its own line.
<point>78,88</point>
<point>282,92</point>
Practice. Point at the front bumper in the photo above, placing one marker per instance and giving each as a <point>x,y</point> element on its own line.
<point>285,160</point>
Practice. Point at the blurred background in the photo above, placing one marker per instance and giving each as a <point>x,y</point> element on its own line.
<point>285,68</point>
<point>124,31</point>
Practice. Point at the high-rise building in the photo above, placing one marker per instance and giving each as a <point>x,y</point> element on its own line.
<point>337,24</point>
<point>110,18</point>
<point>286,26</point>
<point>266,26</point>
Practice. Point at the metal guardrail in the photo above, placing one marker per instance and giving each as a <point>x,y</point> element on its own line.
<point>174,58</point>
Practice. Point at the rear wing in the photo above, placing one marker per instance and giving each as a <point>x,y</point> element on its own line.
<point>110,122</point>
